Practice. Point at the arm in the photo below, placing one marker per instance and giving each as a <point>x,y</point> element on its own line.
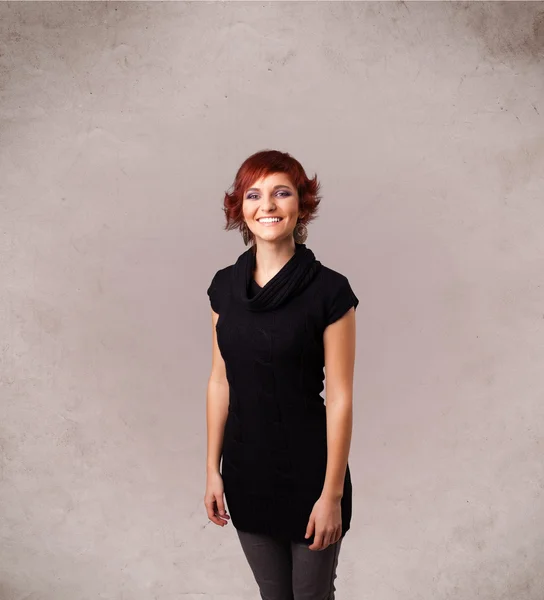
<point>339,342</point>
<point>217,403</point>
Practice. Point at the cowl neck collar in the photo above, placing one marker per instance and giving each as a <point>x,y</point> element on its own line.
<point>291,279</point>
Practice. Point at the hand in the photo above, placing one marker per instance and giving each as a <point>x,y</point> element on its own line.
<point>326,521</point>
<point>213,500</point>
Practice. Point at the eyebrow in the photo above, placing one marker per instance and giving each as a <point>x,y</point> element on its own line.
<point>254,189</point>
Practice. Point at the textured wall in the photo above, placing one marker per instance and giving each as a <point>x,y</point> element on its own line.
<point>121,125</point>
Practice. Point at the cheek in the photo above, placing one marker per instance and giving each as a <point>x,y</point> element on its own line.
<point>248,212</point>
<point>293,209</point>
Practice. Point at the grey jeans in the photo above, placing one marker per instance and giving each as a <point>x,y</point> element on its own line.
<point>286,570</point>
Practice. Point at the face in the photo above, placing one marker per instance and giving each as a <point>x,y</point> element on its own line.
<point>271,196</point>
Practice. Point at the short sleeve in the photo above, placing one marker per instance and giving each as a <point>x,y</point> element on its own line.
<point>213,292</point>
<point>340,299</point>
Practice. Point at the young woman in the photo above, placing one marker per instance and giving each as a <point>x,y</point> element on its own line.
<point>279,317</point>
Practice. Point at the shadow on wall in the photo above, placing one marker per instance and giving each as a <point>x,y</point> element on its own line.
<point>511,32</point>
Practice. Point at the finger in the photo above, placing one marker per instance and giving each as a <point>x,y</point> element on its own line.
<point>318,542</point>
<point>223,518</point>
<point>221,507</point>
<point>310,528</point>
<point>215,519</point>
<point>210,507</point>
<point>211,510</point>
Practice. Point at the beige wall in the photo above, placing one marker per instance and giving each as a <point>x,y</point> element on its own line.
<point>121,127</point>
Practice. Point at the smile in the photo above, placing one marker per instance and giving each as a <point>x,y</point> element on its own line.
<point>269,220</point>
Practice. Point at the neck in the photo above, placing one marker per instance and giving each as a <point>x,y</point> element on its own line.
<point>270,257</point>
<point>298,268</point>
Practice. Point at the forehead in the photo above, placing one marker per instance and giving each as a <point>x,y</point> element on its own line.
<point>272,181</point>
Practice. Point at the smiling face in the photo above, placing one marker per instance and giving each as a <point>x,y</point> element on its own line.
<point>271,196</point>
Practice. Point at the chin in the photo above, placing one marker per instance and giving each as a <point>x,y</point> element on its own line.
<point>276,238</point>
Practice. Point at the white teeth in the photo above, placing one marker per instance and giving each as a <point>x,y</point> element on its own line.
<point>271,220</point>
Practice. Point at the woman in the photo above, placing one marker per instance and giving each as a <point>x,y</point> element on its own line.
<point>279,317</point>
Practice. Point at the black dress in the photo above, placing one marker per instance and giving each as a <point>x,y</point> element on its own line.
<point>275,440</point>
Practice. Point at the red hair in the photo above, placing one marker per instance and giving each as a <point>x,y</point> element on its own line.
<point>263,164</point>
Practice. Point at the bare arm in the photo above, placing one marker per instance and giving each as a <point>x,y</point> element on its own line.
<point>217,404</point>
<point>339,342</point>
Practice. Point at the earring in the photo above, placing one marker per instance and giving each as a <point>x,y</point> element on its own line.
<point>300,233</point>
<point>245,233</point>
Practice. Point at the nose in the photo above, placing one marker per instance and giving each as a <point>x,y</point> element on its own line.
<point>268,202</point>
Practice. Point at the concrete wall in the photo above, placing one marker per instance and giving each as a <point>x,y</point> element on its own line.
<point>121,125</point>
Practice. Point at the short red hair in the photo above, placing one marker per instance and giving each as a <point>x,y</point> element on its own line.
<point>263,164</point>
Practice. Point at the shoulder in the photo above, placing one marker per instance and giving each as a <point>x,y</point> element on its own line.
<point>332,282</point>
<point>222,275</point>
<point>337,294</point>
<point>331,277</point>
<point>219,288</point>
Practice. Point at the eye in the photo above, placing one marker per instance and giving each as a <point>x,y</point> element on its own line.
<point>252,194</point>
